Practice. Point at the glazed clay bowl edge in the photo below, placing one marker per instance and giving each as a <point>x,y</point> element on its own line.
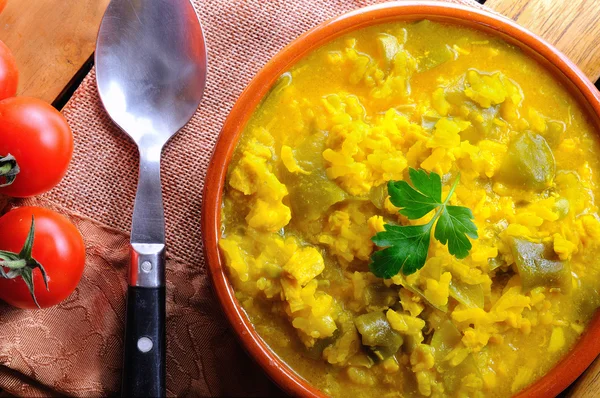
<point>588,346</point>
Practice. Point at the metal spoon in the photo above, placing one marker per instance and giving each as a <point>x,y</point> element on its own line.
<point>151,72</point>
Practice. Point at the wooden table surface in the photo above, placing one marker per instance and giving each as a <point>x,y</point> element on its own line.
<point>53,42</point>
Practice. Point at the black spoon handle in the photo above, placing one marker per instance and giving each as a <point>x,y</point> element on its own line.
<point>144,363</point>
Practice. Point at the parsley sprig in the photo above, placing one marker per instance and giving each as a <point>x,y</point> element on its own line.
<point>406,247</point>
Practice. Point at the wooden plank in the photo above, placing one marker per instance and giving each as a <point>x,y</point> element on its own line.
<point>51,40</point>
<point>573,26</point>
<point>588,385</point>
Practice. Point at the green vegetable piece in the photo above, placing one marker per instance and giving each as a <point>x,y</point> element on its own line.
<point>428,122</point>
<point>311,195</point>
<point>316,351</point>
<point>438,55</point>
<point>380,295</point>
<point>377,196</point>
<point>496,262</point>
<point>283,82</point>
<point>529,163</point>
<point>469,295</point>
<point>272,270</point>
<point>555,132</point>
<point>406,247</point>
<point>361,360</point>
<point>483,123</point>
<point>377,334</point>
<point>445,338</point>
<point>561,206</point>
<point>388,48</point>
<point>453,376</point>
<point>421,294</point>
<point>482,119</point>
<point>411,342</point>
<point>436,51</point>
<point>538,266</point>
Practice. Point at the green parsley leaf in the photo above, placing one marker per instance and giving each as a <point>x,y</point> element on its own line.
<point>414,204</point>
<point>453,227</point>
<point>405,248</point>
<point>430,184</point>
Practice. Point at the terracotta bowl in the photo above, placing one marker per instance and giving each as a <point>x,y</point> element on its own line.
<point>587,348</point>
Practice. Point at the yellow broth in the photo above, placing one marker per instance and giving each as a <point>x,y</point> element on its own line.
<point>306,191</point>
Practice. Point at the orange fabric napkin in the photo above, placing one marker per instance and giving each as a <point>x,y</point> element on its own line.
<point>75,348</point>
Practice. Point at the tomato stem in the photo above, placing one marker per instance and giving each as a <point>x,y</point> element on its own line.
<point>9,169</point>
<point>13,264</point>
<point>22,264</point>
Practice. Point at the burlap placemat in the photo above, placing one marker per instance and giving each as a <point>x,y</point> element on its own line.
<point>75,348</point>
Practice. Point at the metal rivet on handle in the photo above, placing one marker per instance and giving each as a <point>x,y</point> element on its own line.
<point>144,344</point>
<point>146,266</point>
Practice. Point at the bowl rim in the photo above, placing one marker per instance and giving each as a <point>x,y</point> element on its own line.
<point>587,347</point>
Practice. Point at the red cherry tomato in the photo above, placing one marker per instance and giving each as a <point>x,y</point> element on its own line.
<point>57,245</point>
<point>9,75</point>
<point>41,141</point>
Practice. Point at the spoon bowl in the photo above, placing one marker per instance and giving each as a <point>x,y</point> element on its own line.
<point>150,67</point>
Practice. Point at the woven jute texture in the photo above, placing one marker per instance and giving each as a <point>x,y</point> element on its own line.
<point>75,348</point>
